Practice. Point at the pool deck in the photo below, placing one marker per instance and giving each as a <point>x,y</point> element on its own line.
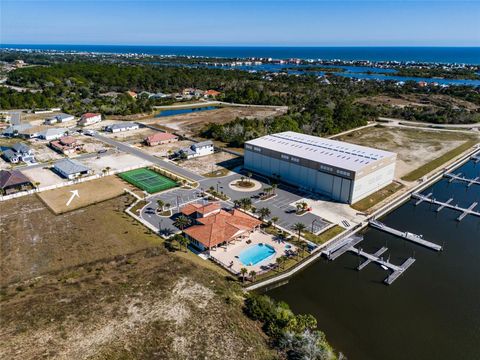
<point>228,254</point>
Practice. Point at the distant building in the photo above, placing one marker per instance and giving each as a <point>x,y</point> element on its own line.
<point>70,169</point>
<point>132,94</point>
<point>31,132</point>
<point>11,156</point>
<point>61,118</point>
<point>52,134</point>
<point>13,181</point>
<point>66,145</point>
<point>198,149</point>
<point>89,119</point>
<point>342,171</point>
<point>211,93</point>
<point>24,152</point>
<point>126,126</point>
<point>160,138</point>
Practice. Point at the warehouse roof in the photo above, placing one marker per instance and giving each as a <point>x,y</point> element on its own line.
<point>326,151</point>
<point>70,167</point>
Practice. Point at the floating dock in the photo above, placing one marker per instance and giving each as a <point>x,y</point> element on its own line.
<point>457,177</point>
<point>464,211</point>
<point>348,245</point>
<point>417,239</point>
<point>476,158</point>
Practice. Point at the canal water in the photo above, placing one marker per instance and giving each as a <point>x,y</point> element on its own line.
<point>431,312</point>
<point>184,111</point>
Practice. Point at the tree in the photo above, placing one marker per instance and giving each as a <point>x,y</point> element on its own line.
<point>182,222</point>
<point>264,212</point>
<point>167,206</point>
<point>160,205</point>
<point>243,271</point>
<point>299,228</point>
<point>245,203</point>
<point>303,247</point>
<point>183,241</point>
<point>279,262</point>
<point>274,187</point>
<point>249,176</point>
<point>253,275</point>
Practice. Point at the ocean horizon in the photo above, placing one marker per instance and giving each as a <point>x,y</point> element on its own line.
<point>431,54</point>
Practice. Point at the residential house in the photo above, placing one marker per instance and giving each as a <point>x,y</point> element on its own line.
<point>89,119</point>
<point>14,130</point>
<point>11,156</point>
<point>70,169</point>
<point>23,152</point>
<point>61,118</point>
<point>160,138</point>
<point>215,226</point>
<point>211,93</point>
<point>132,94</point>
<point>52,134</point>
<point>12,181</point>
<point>31,132</point>
<point>66,145</point>
<point>120,127</point>
<point>198,149</point>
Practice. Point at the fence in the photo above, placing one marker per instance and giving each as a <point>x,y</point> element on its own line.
<point>65,183</point>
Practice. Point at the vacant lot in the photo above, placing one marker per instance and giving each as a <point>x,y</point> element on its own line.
<point>115,162</point>
<point>34,241</point>
<point>90,192</point>
<point>190,124</point>
<point>414,148</point>
<point>94,284</point>
<point>166,149</point>
<point>133,136</point>
<point>43,175</point>
<point>214,165</point>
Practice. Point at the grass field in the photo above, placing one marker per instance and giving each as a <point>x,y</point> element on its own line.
<point>90,192</point>
<point>148,180</point>
<point>376,197</point>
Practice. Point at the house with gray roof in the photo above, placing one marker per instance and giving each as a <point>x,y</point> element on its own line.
<point>60,118</point>
<point>120,127</point>
<point>14,130</point>
<point>70,169</point>
<point>198,149</point>
<point>53,134</point>
<point>11,156</point>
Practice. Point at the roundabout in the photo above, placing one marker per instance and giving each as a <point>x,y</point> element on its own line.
<point>246,185</point>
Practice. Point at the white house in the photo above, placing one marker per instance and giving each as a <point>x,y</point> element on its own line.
<point>199,149</point>
<point>52,134</point>
<point>61,118</point>
<point>120,127</point>
<point>89,119</point>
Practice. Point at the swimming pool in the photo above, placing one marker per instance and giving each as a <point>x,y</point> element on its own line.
<point>256,254</point>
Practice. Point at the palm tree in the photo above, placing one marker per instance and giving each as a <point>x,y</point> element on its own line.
<point>108,168</point>
<point>182,222</point>
<point>274,187</point>
<point>268,190</point>
<point>249,176</point>
<point>253,275</point>
<point>303,246</point>
<point>237,203</point>
<point>183,241</point>
<point>160,205</point>
<point>36,184</point>
<point>243,271</point>
<point>242,179</point>
<point>245,203</point>
<point>264,212</point>
<point>167,206</point>
<point>299,227</point>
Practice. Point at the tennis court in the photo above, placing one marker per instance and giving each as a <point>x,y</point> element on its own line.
<point>148,180</point>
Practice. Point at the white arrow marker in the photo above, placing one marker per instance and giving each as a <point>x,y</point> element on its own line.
<point>74,193</point>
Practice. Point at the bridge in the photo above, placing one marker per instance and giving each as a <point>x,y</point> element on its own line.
<point>417,239</point>
<point>464,211</point>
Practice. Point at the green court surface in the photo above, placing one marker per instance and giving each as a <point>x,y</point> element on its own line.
<point>148,180</point>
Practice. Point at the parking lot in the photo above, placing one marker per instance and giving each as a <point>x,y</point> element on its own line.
<point>281,206</point>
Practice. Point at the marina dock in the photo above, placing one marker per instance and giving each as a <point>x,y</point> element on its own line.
<point>470,182</point>
<point>476,158</point>
<point>417,239</point>
<point>345,246</point>
<point>464,211</point>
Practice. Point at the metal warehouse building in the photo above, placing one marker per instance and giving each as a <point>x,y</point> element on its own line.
<point>342,171</point>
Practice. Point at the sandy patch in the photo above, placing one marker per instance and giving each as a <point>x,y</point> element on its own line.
<point>116,162</point>
<point>44,175</point>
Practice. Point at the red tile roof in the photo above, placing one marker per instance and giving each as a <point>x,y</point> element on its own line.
<point>190,209</point>
<point>221,227</point>
<point>89,115</point>
<point>212,92</point>
<point>161,136</point>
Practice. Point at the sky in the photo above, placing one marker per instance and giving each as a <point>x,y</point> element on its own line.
<point>255,23</point>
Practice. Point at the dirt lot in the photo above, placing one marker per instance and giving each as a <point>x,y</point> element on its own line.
<point>91,145</point>
<point>90,192</point>
<point>43,153</point>
<point>211,164</point>
<point>190,124</point>
<point>133,136</point>
<point>119,161</point>
<point>414,148</point>
<point>86,300</point>
<point>165,149</point>
<point>44,176</point>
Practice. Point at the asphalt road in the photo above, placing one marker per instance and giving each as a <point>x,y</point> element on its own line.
<point>139,153</point>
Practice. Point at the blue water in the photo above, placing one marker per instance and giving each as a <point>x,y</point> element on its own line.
<point>184,111</point>
<point>463,55</point>
<point>256,254</point>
